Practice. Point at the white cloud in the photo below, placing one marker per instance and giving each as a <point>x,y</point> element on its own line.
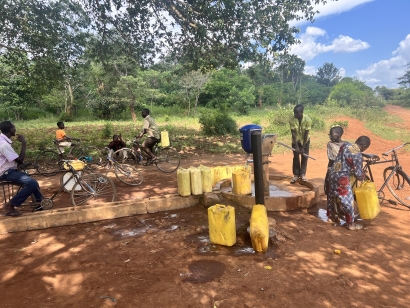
<point>386,72</point>
<point>333,8</point>
<point>309,48</point>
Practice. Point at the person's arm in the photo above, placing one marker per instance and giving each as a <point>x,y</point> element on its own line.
<point>22,155</point>
<point>296,145</point>
<point>305,139</point>
<point>71,138</point>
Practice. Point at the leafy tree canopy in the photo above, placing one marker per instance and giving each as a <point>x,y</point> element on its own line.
<point>328,75</point>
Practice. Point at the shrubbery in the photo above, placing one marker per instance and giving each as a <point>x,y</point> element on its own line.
<point>217,122</point>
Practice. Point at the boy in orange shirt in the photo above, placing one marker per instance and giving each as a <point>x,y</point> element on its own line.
<point>63,140</point>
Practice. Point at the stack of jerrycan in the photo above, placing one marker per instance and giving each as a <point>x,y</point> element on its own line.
<point>259,228</point>
<point>367,200</point>
<point>222,229</point>
<point>195,181</point>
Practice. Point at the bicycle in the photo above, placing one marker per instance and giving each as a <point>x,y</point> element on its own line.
<point>84,189</point>
<point>396,180</point>
<point>125,173</point>
<point>48,160</point>
<point>168,159</point>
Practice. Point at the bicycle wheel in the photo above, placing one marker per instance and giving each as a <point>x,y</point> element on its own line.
<point>399,185</point>
<point>93,188</point>
<point>168,159</point>
<point>125,156</point>
<point>47,163</point>
<point>128,174</point>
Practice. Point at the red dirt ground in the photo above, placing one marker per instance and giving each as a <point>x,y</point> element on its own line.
<point>166,260</point>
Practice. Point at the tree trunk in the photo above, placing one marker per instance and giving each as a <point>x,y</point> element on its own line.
<point>69,105</point>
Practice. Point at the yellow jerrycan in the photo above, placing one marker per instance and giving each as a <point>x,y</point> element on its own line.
<point>259,228</point>
<point>220,174</point>
<point>207,179</point>
<point>241,182</point>
<point>222,229</point>
<point>165,139</point>
<point>184,182</point>
<point>367,200</point>
<point>196,181</point>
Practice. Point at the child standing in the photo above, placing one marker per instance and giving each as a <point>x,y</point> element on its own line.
<point>333,147</point>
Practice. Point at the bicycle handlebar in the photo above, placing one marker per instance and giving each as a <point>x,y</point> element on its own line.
<point>399,147</point>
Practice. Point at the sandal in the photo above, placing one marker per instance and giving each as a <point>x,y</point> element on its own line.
<point>13,213</point>
<point>294,180</point>
<point>354,226</point>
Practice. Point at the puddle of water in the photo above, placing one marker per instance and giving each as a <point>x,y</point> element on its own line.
<point>132,232</point>
<point>274,191</point>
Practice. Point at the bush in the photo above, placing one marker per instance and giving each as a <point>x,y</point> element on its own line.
<point>217,123</point>
<point>107,131</point>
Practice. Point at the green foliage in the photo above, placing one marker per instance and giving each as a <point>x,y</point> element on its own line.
<point>107,130</point>
<point>328,75</point>
<point>278,120</point>
<point>343,124</point>
<point>217,123</point>
<point>318,124</point>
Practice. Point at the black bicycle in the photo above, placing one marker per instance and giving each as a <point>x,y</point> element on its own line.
<point>48,161</point>
<point>168,159</point>
<point>396,180</point>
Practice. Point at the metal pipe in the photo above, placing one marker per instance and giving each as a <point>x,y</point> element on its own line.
<point>256,141</point>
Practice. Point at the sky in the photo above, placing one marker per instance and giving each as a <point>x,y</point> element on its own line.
<point>365,39</point>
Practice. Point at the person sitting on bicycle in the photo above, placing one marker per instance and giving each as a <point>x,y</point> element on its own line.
<point>116,144</point>
<point>349,160</point>
<point>153,137</point>
<point>8,169</point>
<point>63,140</point>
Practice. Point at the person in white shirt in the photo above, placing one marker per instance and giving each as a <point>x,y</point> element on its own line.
<point>8,169</point>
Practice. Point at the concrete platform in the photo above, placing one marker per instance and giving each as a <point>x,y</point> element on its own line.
<point>98,212</point>
<point>82,214</point>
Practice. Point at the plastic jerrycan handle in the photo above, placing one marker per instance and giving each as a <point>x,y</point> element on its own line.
<point>220,206</point>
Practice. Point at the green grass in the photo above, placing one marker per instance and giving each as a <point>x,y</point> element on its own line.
<point>185,132</point>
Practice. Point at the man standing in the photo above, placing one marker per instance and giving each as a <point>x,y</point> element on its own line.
<point>348,161</point>
<point>8,169</point>
<point>153,137</point>
<point>300,125</point>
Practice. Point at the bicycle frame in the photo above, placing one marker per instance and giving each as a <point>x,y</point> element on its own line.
<point>375,160</point>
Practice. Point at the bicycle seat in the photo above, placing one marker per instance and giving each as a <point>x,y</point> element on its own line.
<point>372,157</point>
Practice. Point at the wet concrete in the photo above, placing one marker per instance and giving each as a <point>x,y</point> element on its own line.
<point>283,196</point>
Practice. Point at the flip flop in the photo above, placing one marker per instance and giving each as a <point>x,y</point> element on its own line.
<point>354,227</point>
<point>294,180</point>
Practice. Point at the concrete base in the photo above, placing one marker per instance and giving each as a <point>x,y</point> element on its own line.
<point>303,195</point>
<point>82,214</point>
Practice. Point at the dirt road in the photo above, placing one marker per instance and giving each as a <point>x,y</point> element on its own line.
<point>166,259</point>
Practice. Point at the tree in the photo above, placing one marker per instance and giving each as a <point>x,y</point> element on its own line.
<point>351,92</point>
<point>328,75</point>
<point>193,83</point>
<point>42,38</point>
<point>202,32</point>
<point>404,81</point>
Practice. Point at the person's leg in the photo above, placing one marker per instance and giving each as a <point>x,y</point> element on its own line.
<point>147,146</point>
<point>304,161</point>
<point>30,186</point>
<point>347,207</point>
<point>295,163</point>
